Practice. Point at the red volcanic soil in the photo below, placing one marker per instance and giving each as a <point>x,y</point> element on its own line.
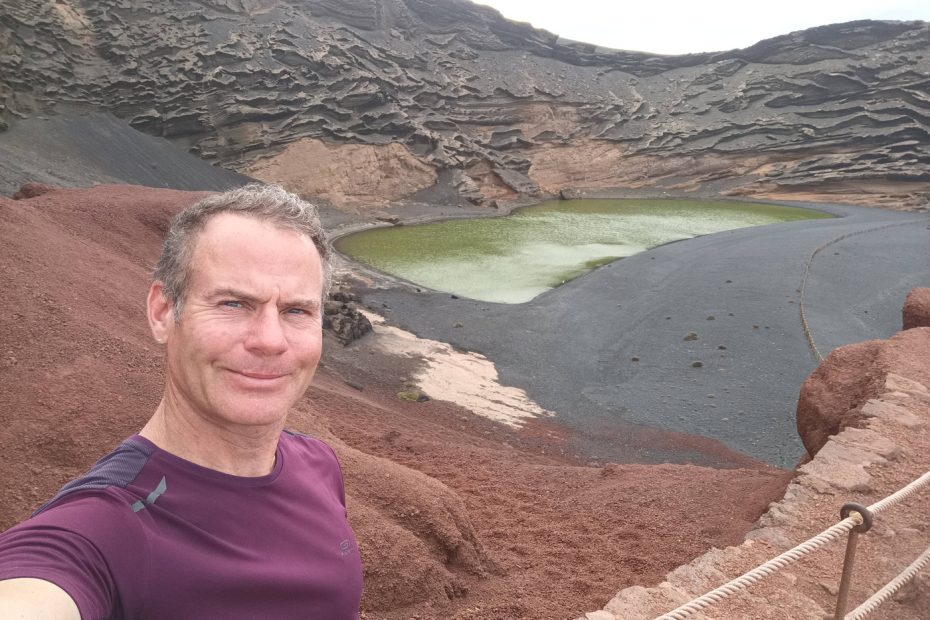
<point>456,516</point>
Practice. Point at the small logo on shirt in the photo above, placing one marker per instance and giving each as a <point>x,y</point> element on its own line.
<point>345,547</point>
<point>161,488</point>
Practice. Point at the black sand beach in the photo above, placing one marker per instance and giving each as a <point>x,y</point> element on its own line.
<point>573,348</point>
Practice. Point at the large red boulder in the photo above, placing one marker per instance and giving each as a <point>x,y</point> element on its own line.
<point>833,395</point>
<point>916,311</point>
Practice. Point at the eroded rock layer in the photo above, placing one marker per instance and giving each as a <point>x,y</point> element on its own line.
<point>508,109</point>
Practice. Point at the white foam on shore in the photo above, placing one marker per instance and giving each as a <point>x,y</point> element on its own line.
<point>466,379</point>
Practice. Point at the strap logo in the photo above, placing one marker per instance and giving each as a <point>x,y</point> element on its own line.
<point>161,488</point>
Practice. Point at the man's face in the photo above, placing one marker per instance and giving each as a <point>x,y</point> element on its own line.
<point>250,334</point>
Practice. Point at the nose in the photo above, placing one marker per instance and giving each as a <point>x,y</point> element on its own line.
<point>266,333</point>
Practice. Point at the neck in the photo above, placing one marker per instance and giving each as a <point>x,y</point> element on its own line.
<point>239,451</point>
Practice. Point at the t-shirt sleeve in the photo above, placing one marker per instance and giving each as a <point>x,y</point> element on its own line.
<point>67,545</point>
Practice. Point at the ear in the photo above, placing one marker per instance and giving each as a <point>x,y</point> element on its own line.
<point>160,312</point>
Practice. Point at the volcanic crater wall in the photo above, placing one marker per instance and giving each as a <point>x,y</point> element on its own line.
<point>506,107</point>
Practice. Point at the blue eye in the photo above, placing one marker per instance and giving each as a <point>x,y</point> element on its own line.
<point>296,311</point>
<point>231,303</point>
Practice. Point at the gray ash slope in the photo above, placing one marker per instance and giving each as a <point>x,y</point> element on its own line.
<point>78,148</point>
<point>459,87</point>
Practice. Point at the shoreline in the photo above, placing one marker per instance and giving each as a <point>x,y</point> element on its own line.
<point>433,315</point>
<point>425,213</point>
<point>347,267</point>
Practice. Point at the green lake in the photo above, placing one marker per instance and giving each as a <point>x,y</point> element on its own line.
<point>513,259</point>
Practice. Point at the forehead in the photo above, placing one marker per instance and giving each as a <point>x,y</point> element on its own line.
<point>241,245</point>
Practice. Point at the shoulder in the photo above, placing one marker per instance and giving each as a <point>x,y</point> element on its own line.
<point>312,459</point>
<point>93,510</point>
<point>116,470</point>
<point>299,443</point>
<point>87,539</point>
<point>102,518</point>
<point>85,544</point>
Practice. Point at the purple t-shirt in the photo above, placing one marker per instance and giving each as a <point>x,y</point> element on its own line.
<point>147,535</point>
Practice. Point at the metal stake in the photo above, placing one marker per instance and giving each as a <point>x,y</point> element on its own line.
<point>850,559</point>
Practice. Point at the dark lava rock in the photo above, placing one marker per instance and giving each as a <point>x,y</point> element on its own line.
<point>31,190</point>
<point>342,317</point>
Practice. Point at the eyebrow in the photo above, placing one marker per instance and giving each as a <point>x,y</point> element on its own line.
<point>237,294</point>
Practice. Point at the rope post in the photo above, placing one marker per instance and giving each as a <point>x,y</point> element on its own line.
<point>849,560</point>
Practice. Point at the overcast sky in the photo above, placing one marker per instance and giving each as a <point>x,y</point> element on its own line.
<point>680,27</point>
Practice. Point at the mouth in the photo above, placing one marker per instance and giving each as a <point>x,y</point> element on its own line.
<point>259,377</point>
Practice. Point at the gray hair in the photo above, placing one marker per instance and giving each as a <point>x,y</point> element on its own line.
<point>267,203</point>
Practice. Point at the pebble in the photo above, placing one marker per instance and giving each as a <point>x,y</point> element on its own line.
<point>831,588</point>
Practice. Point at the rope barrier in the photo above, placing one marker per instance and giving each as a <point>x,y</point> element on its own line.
<point>765,570</point>
<point>883,595</point>
<point>901,494</point>
<point>793,555</point>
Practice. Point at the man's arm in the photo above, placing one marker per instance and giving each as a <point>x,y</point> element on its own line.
<point>35,599</point>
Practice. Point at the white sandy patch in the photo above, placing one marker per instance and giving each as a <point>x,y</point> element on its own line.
<point>466,379</point>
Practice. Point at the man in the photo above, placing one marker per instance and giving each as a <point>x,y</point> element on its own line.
<point>212,510</point>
